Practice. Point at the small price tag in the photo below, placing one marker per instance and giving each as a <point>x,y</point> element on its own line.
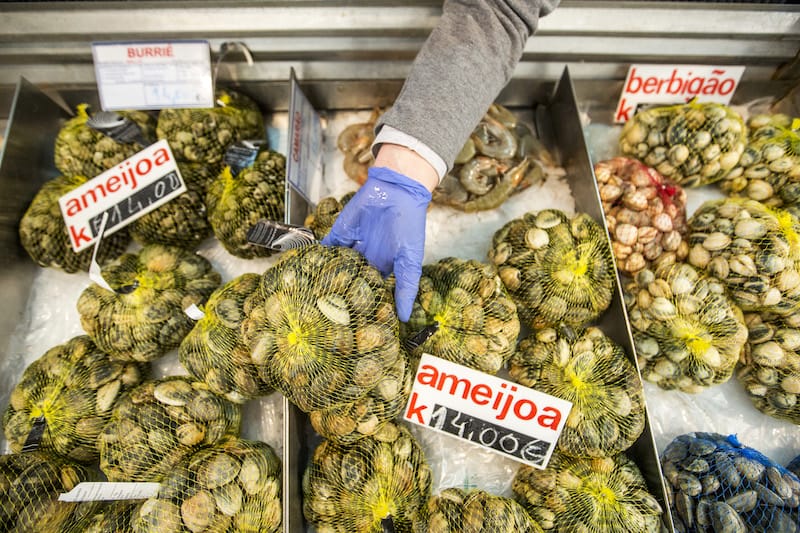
<point>242,154</point>
<point>93,491</point>
<point>499,415</point>
<point>675,84</point>
<point>141,183</point>
<point>304,166</point>
<point>153,75</point>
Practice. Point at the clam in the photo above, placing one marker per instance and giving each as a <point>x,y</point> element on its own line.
<point>321,219</point>
<point>570,280</point>
<point>588,369</point>
<point>457,509</point>
<point>354,488</point>
<point>143,317</point>
<point>74,387</point>
<point>236,202</point>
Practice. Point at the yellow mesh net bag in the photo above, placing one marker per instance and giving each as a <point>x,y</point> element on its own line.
<point>345,424</point>
<point>556,268</point>
<point>645,214</point>
<point>322,327</point>
<point>321,219</point>
<point>159,423</point>
<point>73,387</point>
<point>770,369</point>
<point>232,486</point>
<point>104,517</point>
<point>688,334</point>
<point>144,316</point>
<point>45,237</point>
<point>476,319</point>
<point>30,484</point>
<point>769,168</point>
<point>84,151</point>
<point>590,370</point>
<point>693,144</point>
<point>204,135</point>
<point>715,483</point>
<point>182,221</point>
<point>753,249</point>
<point>237,201</point>
<point>457,510</point>
<point>214,351</point>
<point>380,478</point>
<point>600,495</point>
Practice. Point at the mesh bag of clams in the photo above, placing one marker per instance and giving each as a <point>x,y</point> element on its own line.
<point>214,351</point>
<point>502,156</point>
<point>30,484</point>
<point>160,422</point>
<point>182,221</point>
<point>556,268</point>
<point>477,320</point>
<point>346,423</point>
<point>84,151</point>
<point>715,483</point>
<point>321,219</point>
<point>693,144</point>
<point>688,334</point>
<point>103,517</point>
<point>237,201</point>
<point>44,235</point>
<point>457,510</point>
<point>769,168</point>
<point>204,135</point>
<point>590,370</point>
<point>645,214</point>
<point>322,327</point>
<point>143,316</point>
<point>232,486</point>
<point>753,249</point>
<point>598,495</point>
<point>770,369</point>
<point>356,489</point>
<point>72,386</point>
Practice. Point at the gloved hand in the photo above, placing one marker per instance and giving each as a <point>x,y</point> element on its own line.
<point>385,221</point>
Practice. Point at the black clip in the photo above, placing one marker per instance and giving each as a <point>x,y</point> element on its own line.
<point>279,236</point>
<point>418,339</point>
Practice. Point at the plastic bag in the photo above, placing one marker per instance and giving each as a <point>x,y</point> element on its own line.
<point>204,135</point>
<point>590,370</point>
<point>74,386</point>
<point>45,236</point>
<point>381,477</point>
<point>687,332</point>
<point>477,322</point>
<point>143,317</point>
<point>556,268</point>
<point>694,144</point>
<point>715,483</point>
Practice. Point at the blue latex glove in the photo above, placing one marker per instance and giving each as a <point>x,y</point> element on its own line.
<point>385,221</point>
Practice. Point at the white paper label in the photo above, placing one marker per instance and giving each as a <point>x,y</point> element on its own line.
<point>90,491</point>
<point>194,312</point>
<point>133,188</point>
<point>304,166</point>
<point>153,75</point>
<point>675,84</point>
<point>515,421</point>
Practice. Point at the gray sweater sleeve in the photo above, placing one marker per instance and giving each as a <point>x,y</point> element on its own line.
<point>464,64</point>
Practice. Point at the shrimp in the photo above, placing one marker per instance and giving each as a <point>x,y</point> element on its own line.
<point>492,139</point>
<point>478,175</point>
<point>355,142</point>
<point>504,187</point>
<point>504,115</point>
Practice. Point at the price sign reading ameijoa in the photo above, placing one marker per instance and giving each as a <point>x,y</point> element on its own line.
<point>499,415</point>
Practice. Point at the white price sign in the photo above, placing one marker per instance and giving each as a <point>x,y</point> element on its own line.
<point>133,188</point>
<point>153,75</point>
<point>304,165</point>
<point>500,415</point>
<point>675,84</point>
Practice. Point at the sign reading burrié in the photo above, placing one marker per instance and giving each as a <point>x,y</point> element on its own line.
<point>133,188</point>
<point>153,75</point>
<point>502,416</point>
<point>674,84</point>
